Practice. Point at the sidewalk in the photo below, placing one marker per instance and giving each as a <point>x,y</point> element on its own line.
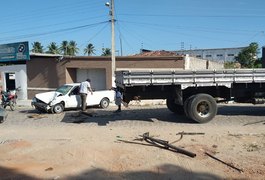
<point>24,102</point>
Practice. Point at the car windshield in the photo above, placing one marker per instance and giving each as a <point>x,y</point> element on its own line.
<point>64,89</point>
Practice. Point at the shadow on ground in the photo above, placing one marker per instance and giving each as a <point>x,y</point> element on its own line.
<point>103,117</point>
<point>166,171</point>
<point>247,110</point>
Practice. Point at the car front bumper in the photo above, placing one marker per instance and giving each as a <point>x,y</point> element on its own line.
<point>40,105</point>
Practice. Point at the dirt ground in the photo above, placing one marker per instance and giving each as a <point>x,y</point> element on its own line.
<point>106,145</point>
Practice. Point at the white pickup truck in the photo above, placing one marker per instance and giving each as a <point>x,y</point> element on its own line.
<point>67,97</point>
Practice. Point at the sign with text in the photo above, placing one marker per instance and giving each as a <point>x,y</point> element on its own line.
<point>14,52</point>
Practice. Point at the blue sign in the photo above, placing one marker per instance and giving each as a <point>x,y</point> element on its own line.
<point>14,52</point>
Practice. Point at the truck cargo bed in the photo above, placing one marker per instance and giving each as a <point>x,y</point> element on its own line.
<point>187,78</point>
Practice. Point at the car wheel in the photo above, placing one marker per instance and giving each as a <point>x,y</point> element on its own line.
<point>104,103</point>
<point>57,108</point>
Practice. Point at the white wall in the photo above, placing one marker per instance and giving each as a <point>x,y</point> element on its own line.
<point>221,54</point>
<point>195,63</point>
<point>20,79</point>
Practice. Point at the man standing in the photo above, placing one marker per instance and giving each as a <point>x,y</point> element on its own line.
<point>84,88</point>
<point>118,99</point>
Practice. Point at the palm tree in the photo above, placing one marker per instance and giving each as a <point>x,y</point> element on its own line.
<point>73,49</point>
<point>37,47</point>
<point>106,52</point>
<point>90,49</point>
<point>64,48</point>
<point>53,48</point>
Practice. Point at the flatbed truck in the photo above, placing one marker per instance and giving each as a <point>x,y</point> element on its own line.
<point>194,93</point>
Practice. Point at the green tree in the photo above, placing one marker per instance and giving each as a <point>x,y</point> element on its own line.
<point>73,49</point>
<point>258,63</point>
<point>89,50</point>
<point>37,47</point>
<point>248,56</point>
<point>53,48</point>
<point>106,52</point>
<point>64,48</point>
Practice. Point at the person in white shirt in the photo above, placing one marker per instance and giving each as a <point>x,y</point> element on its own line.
<point>83,91</point>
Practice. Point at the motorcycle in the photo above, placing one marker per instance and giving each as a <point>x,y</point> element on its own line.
<point>9,98</point>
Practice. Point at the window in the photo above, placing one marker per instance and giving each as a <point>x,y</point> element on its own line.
<point>198,56</point>
<point>208,55</point>
<point>230,55</point>
<point>75,91</point>
<point>64,89</point>
<point>219,55</point>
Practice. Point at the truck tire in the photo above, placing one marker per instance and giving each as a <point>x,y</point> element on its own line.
<point>186,105</point>
<point>202,108</point>
<point>173,107</point>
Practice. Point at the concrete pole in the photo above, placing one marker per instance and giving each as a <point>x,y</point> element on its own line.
<point>113,58</point>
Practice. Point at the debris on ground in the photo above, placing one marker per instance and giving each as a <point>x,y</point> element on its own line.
<point>228,164</point>
<point>164,144</point>
<point>263,121</point>
<point>37,116</point>
<point>49,169</point>
<point>186,133</point>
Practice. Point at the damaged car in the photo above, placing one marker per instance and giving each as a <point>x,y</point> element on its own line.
<point>67,97</point>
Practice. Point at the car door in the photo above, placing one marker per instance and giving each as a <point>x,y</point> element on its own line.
<point>72,99</point>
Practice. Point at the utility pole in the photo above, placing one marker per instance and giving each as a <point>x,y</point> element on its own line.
<point>113,51</point>
<point>121,46</point>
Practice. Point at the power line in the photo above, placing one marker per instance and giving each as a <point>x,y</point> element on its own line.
<point>191,28</point>
<point>123,37</point>
<point>46,14</point>
<point>51,25</point>
<point>95,35</point>
<point>51,32</point>
<point>137,35</point>
<point>195,16</point>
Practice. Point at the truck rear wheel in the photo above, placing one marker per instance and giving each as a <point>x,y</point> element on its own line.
<point>173,107</point>
<point>202,108</point>
<point>187,107</point>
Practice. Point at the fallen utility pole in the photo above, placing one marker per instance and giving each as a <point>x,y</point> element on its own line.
<point>164,144</point>
<point>240,170</point>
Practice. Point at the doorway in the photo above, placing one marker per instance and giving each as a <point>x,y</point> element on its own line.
<point>10,81</point>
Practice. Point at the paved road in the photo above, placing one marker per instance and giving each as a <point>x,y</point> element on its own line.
<point>155,115</point>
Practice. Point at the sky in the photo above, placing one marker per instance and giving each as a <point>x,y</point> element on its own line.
<point>154,25</point>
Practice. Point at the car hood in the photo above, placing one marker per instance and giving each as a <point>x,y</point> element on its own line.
<point>47,97</point>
